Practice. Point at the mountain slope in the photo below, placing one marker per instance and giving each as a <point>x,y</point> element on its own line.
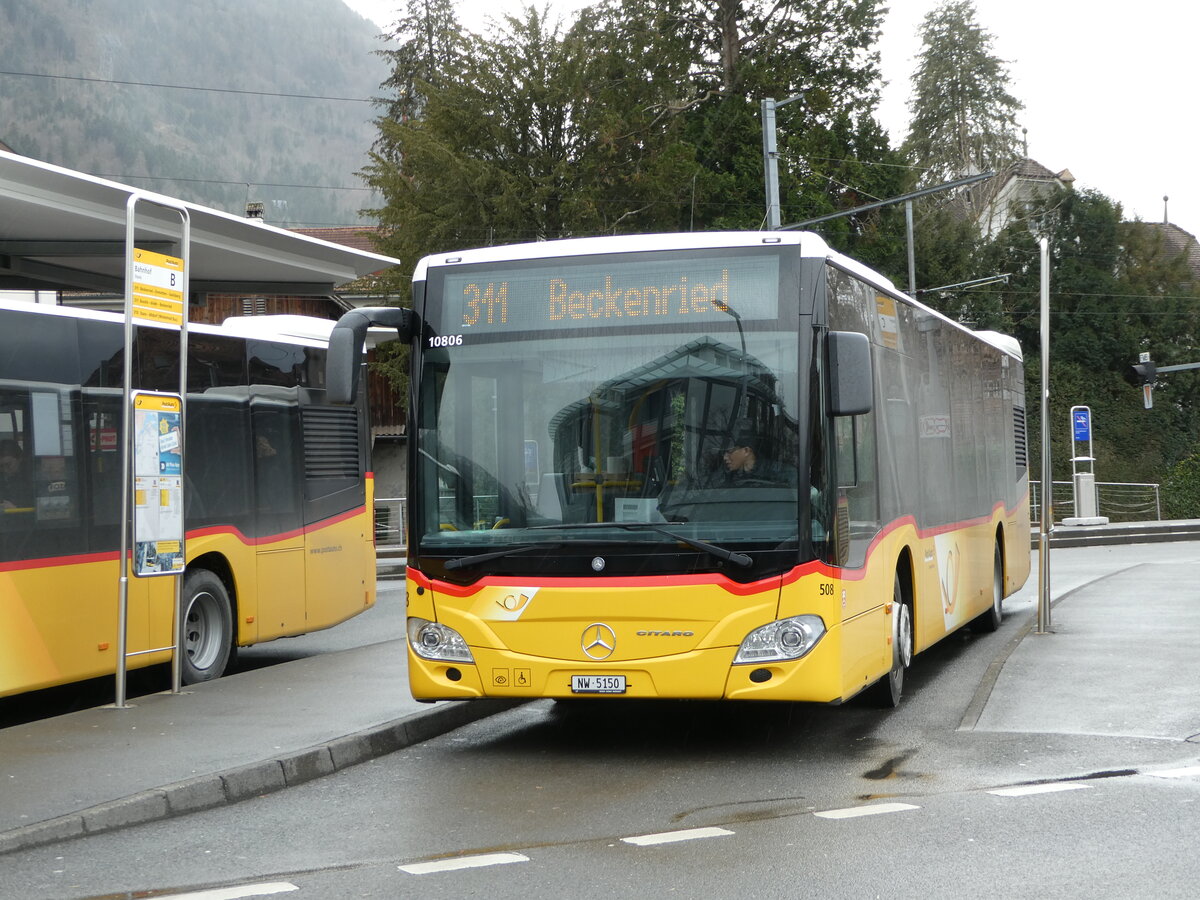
<point>232,142</point>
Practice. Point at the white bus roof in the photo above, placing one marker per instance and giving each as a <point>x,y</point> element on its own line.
<point>61,229</point>
<point>811,245</point>
<point>288,329</point>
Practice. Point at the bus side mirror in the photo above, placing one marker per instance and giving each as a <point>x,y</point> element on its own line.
<point>344,357</point>
<point>850,381</point>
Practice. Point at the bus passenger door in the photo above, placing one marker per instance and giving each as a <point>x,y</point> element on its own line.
<point>279,533</point>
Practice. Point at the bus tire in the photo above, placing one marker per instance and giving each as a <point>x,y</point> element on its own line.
<point>207,641</point>
<point>886,692</point>
<point>991,618</point>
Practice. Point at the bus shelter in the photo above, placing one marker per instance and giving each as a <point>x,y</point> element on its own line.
<point>67,238</point>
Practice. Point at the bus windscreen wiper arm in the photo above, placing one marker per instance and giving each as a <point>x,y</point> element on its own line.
<point>733,556</point>
<point>462,562</point>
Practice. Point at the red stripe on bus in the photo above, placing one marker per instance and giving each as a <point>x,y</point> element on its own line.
<point>716,580</point>
<point>111,555</point>
<point>80,559</point>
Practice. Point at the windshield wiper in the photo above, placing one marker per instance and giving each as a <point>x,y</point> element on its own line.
<point>462,562</point>
<point>733,556</point>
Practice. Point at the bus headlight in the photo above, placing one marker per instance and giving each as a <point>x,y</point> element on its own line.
<point>431,640</point>
<point>781,641</point>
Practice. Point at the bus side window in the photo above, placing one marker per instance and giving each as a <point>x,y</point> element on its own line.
<point>277,487</point>
<point>39,483</point>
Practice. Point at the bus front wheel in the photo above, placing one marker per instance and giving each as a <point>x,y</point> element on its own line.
<point>207,642</point>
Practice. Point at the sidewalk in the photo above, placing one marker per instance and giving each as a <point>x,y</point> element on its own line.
<point>1103,671</point>
<point>1119,658</point>
<point>217,743</point>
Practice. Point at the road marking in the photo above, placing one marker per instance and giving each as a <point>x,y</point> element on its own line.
<point>855,812</point>
<point>464,862</point>
<point>1028,789</point>
<point>671,837</point>
<point>1176,773</point>
<point>237,893</point>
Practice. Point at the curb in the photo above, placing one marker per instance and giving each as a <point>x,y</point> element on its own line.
<point>255,779</point>
<point>1168,530</point>
<point>391,563</point>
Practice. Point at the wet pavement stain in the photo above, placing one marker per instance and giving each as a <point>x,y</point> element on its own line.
<point>890,768</point>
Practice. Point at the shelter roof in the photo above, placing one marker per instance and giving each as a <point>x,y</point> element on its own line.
<point>62,229</point>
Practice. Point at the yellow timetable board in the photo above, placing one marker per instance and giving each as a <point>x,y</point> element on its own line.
<point>158,288</point>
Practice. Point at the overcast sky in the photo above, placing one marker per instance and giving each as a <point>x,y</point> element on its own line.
<point>1107,88</point>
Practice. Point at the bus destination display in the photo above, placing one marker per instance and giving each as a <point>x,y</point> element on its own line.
<point>611,294</point>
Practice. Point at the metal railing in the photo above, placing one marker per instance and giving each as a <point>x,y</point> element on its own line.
<point>1116,500</point>
<point>390,516</point>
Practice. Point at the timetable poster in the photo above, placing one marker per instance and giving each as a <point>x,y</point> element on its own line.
<point>157,484</point>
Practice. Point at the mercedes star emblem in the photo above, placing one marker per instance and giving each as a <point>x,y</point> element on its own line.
<point>599,641</point>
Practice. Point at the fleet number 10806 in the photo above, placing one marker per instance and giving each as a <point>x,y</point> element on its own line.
<point>446,340</point>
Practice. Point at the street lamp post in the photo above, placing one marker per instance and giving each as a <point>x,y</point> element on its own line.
<point>771,157</point>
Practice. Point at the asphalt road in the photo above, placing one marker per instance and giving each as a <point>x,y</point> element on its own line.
<point>698,799</point>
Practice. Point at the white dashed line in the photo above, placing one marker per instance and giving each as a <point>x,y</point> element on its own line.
<point>464,862</point>
<point>671,837</point>
<point>855,812</point>
<point>237,893</point>
<point>1029,789</point>
<point>1176,773</point>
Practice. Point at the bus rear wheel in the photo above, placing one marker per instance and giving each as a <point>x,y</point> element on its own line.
<point>887,690</point>
<point>990,619</point>
<point>207,643</point>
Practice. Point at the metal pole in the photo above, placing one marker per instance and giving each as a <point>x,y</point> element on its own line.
<point>770,163</point>
<point>178,611</point>
<point>126,444</point>
<point>912,257</point>
<point>771,157</point>
<point>1046,519</point>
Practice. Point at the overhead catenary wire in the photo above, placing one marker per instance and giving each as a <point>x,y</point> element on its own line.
<point>188,87</point>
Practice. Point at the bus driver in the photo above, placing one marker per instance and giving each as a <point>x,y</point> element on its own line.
<point>16,487</point>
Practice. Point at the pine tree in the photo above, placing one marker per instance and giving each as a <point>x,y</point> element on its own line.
<point>963,116</point>
<point>427,48</point>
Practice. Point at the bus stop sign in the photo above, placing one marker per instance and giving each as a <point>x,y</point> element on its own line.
<point>1081,424</point>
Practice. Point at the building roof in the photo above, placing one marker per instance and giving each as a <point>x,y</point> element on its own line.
<point>990,203</point>
<point>359,237</point>
<point>1021,170</point>
<point>1176,241</point>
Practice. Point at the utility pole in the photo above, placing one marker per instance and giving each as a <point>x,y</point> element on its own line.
<point>771,157</point>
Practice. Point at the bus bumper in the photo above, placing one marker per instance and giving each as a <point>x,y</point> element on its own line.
<point>700,674</point>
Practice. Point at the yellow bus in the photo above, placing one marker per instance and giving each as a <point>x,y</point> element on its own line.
<point>278,494</point>
<point>733,466</point>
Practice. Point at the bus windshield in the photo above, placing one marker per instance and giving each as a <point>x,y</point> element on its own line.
<point>627,419</point>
